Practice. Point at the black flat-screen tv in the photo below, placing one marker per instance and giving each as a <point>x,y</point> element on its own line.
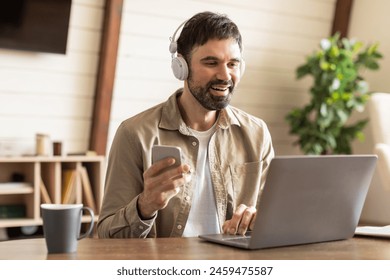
<point>35,25</point>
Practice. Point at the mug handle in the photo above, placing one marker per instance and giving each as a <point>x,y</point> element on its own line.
<point>88,232</point>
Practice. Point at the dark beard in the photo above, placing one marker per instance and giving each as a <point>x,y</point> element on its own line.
<point>206,99</point>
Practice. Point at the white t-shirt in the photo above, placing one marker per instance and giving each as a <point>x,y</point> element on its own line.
<point>203,217</point>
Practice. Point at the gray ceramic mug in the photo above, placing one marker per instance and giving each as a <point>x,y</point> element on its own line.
<point>62,224</point>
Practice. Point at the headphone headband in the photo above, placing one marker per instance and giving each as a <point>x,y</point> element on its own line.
<point>173,44</point>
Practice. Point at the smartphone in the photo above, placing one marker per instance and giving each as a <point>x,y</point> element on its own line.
<point>160,152</point>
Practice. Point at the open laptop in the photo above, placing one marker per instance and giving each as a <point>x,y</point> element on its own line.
<point>307,199</point>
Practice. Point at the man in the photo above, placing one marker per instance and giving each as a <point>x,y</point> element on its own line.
<point>226,152</point>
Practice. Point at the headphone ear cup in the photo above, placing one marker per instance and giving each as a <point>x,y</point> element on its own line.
<point>179,68</point>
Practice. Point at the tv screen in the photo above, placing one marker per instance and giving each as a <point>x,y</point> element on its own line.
<point>35,25</point>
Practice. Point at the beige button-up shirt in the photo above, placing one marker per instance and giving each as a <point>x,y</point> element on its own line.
<point>239,155</point>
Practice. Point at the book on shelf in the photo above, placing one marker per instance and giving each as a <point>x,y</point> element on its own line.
<point>15,185</point>
<point>10,211</point>
<point>87,189</point>
<point>69,182</point>
<point>16,188</point>
<point>45,197</point>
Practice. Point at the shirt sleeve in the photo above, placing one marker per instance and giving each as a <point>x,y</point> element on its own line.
<point>126,223</point>
<point>119,217</point>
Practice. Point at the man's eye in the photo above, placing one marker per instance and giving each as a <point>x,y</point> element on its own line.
<point>234,64</point>
<point>211,63</point>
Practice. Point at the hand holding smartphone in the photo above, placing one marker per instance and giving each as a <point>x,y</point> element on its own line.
<point>149,201</point>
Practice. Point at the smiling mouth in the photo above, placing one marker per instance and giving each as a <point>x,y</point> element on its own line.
<point>222,89</point>
<point>219,91</point>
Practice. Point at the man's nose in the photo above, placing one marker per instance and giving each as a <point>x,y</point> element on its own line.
<point>224,73</point>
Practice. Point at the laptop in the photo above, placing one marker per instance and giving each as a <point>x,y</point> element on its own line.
<point>307,199</point>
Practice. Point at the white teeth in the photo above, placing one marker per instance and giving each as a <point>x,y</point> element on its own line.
<point>220,89</point>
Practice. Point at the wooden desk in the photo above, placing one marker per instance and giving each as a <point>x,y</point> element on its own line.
<point>358,248</point>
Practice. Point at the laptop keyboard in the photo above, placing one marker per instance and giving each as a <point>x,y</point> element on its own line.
<point>239,238</point>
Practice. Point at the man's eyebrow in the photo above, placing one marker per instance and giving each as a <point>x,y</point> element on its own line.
<point>208,58</point>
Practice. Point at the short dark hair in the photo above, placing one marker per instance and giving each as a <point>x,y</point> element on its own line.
<point>203,27</point>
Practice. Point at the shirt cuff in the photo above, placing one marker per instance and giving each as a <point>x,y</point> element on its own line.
<point>140,228</point>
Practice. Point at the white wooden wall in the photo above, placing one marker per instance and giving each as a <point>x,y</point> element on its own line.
<point>52,93</point>
<point>277,36</point>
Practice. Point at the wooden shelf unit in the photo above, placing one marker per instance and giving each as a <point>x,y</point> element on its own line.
<point>51,170</point>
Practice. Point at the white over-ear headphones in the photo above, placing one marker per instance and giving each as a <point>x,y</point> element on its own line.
<point>179,65</point>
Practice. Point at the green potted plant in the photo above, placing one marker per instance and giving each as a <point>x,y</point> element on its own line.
<point>338,89</point>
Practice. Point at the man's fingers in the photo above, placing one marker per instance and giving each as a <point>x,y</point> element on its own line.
<point>158,175</point>
<point>236,219</point>
<point>243,218</point>
<point>246,220</point>
<point>161,183</point>
<point>158,166</point>
<point>252,224</point>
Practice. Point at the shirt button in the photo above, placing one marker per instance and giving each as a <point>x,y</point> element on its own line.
<point>187,198</point>
<point>179,227</point>
<point>194,143</point>
<point>141,227</point>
